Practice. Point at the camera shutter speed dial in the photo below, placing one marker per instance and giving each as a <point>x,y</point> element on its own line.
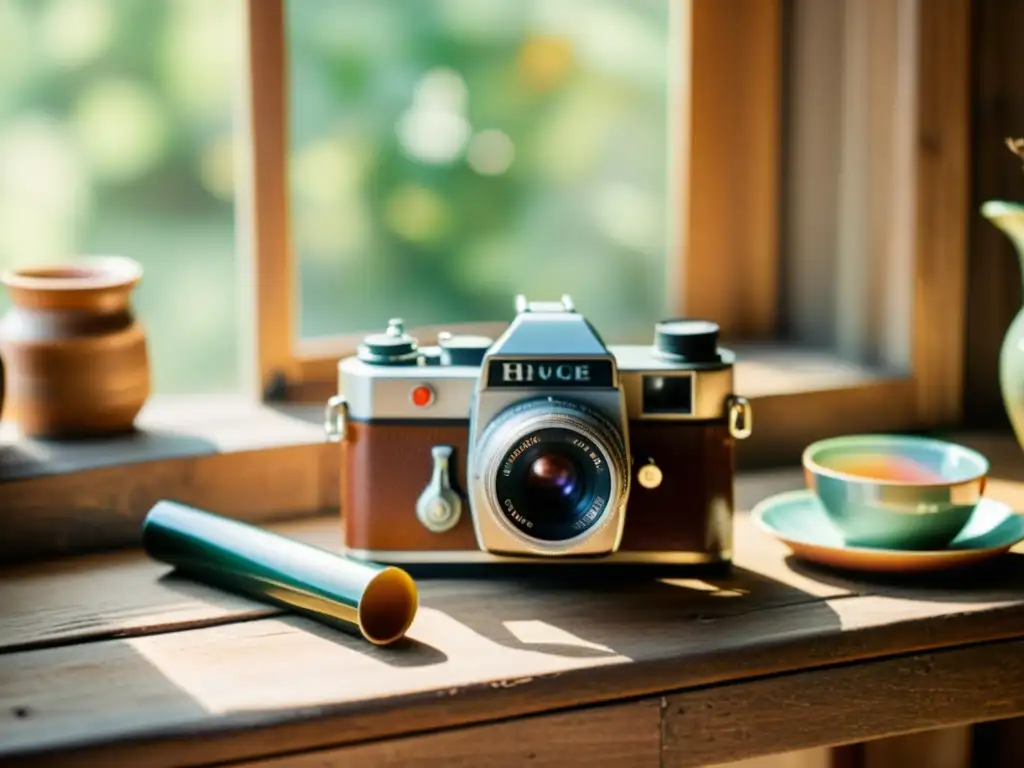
<point>695,341</point>
<point>439,506</point>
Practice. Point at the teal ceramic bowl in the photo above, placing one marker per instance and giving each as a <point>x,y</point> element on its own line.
<point>895,491</point>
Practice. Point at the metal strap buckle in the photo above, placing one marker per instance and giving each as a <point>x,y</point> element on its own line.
<point>741,418</point>
<point>336,419</point>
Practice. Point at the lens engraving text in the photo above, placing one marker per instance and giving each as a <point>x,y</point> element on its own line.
<point>591,454</point>
<point>515,515</point>
<point>593,512</point>
<point>516,453</point>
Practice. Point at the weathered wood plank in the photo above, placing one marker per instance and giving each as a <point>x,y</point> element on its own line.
<point>121,594</point>
<point>749,719</point>
<point>615,735</point>
<point>472,657</point>
<point>846,704</point>
<point>243,459</point>
<point>167,428</point>
<point>103,508</point>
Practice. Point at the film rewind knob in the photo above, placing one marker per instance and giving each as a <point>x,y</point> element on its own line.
<point>439,506</point>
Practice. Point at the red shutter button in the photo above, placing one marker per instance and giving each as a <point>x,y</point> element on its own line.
<point>422,396</point>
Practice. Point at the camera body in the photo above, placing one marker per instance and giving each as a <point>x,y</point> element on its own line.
<point>543,446</point>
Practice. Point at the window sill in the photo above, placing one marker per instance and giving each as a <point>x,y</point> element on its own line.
<point>271,462</point>
<point>225,453</point>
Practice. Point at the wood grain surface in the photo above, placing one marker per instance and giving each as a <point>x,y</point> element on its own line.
<point>172,661</point>
<point>264,207</point>
<point>169,427</point>
<point>226,454</point>
<point>120,594</point>
<point>103,508</point>
<point>847,704</point>
<point>730,176</point>
<point>942,180</point>
<point>615,735</point>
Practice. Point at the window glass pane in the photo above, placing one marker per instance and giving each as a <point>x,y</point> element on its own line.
<point>116,138</point>
<point>448,154</point>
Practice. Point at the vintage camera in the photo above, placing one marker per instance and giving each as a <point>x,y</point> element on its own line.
<point>543,446</point>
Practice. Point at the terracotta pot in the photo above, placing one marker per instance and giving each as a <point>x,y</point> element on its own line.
<point>76,358</point>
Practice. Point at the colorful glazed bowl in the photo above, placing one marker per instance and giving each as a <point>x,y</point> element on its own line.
<point>895,491</point>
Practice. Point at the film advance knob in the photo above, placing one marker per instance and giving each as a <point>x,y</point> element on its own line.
<point>695,341</point>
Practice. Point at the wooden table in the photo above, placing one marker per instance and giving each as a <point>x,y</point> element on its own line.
<point>108,659</point>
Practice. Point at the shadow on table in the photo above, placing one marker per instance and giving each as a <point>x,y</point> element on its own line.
<point>91,681</point>
<point>998,579</point>
<point>407,652</point>
<point>637,619</point>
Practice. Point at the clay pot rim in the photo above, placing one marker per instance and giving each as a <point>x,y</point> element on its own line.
<point>89,273</point>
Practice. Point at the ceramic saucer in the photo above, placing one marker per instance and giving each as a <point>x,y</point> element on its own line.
<point>798,520</point>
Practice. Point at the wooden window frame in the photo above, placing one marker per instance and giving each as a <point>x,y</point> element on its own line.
<point>737,47</point>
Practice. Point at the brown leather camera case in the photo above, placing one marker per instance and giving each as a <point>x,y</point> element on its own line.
<point>385,467</point>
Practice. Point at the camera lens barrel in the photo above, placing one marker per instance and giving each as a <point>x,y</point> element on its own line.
<point>554,471</point>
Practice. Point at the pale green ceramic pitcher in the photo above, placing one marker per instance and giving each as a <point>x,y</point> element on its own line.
<point>1009,217</point>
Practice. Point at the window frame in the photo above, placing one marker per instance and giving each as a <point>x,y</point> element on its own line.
<point>737,47</point>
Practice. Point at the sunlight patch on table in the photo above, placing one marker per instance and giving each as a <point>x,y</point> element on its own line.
<point>287,663</point>
<point>894,610</point>
<point>541,633</point>
<point>714,590</point>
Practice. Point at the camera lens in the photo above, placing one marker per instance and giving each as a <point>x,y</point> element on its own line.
<point>554,470</point>
<point>552,479</point>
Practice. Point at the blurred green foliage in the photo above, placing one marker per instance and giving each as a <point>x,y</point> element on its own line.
<point>115,137</point>
<point>446,154</point>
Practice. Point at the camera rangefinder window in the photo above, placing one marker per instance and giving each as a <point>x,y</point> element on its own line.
<point>668,394</point>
